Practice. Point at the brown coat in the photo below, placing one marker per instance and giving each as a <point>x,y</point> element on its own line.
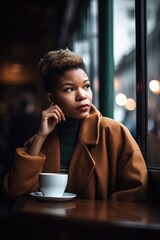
<point>106,163</point>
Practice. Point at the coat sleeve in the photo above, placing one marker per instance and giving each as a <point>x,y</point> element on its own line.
<point>131,172</point>
<point>23,177</point>
<point>132,180</point>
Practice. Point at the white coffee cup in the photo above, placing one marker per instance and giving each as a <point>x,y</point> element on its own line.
<point>53,184</point>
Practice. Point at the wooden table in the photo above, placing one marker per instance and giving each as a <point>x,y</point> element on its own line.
<point>85,219</point>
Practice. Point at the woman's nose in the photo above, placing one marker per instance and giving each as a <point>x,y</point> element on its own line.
<point>80,95</point>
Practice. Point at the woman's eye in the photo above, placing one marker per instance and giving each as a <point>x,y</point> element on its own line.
<point>87,86</point>
<point>68,89</point>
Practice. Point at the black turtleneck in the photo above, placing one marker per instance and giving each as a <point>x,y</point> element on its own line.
<point>68,132</point>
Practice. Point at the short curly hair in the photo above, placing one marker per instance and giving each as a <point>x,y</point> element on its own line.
<point>55,63</point>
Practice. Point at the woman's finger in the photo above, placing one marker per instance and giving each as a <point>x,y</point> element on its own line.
<point>55,106</point>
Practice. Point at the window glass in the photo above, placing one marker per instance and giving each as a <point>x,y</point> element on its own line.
<point>85,43</point>
<point>153,84</point>
<point>124,61</point>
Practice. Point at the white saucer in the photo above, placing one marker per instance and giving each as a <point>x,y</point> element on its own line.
<point>66,197</point>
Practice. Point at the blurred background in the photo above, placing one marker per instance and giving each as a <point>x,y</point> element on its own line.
<point>104,33</point>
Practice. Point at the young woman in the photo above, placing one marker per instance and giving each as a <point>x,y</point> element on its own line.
<point>100,155</point>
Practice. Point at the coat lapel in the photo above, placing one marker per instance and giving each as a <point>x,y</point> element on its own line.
<point>80,169</point>
<point>89,130</point>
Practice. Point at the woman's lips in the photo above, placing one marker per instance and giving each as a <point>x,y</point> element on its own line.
<point>83,107</point>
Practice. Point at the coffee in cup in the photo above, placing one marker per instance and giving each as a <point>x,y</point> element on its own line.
<point>53,184</point>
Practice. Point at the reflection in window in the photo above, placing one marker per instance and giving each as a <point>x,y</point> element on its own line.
<point>86,44</point>
<point>124,58</point>
<point>131,13</point>
<point>153,64</point>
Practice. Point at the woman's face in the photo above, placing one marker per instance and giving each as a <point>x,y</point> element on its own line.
<point>73,94</point>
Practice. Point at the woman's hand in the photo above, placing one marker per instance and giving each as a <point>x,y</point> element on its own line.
<point>50,118</point>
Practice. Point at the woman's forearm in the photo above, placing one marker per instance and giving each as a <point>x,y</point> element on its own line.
<point>36,145</point>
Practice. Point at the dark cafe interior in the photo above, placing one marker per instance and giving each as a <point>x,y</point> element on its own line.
<point>119,43</point>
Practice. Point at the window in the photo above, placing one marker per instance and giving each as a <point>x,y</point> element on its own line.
<point>124,60</point>
<point>85,43</point>
<point>153,84</point>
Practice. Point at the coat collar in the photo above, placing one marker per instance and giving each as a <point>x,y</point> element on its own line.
<point>89,129</point>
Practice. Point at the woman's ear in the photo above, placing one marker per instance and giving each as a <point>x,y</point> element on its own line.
<point>49,98</point>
